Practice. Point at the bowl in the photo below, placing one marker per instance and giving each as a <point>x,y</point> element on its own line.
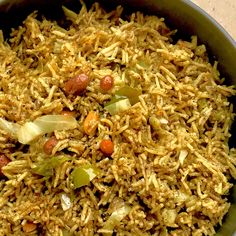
<point>183,15</point>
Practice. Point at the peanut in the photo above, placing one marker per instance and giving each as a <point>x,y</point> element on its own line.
<point>91,123</point>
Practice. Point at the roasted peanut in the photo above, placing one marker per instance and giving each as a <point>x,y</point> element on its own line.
<point>106,83</point>
<point>107,147</point>
<point>76,85</point>
<point>29,227</point>
<point>91,123</point>
<point>49,145</point>
<point>3,162</point>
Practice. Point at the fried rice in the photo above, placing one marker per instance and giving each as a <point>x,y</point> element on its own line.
<point>171,168</point>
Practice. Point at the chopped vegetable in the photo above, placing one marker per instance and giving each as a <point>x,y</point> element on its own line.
<point>91,123</point>
<point>106,83</point>
<point>119,106</point>
<point>49,145</point>
<point>131,93</point>
<point>3,162</point>
<point>115,99</point>
<point>157,122</point>
<point>115,218</point>
<point>154,122</point>
<point>28,132</point>
<point>218,115</point>
<point>50,123</point>
<point>107,147</point>
<point>124,98</point>
<point>81,176</point>
<point>65,202</point>
<point>182,155</point>
<point>29,227</point>
<point>145,63</point>
<point>202,103</point>
<point>180,196</point>
<point>9,127</point>
<point>44,124</point>
<point>69,14</point>
<point>169,216</point>
<point>66,232</point>
<point>77,85</point>
<point>46,167</point>
<point>163,121</point>
<point>164,232</point>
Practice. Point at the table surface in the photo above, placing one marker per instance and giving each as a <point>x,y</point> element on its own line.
<point>224,13</point>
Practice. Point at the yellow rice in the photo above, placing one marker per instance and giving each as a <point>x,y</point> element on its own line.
<point>176,179</point>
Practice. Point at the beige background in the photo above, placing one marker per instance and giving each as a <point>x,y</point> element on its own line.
<point>224,11</point>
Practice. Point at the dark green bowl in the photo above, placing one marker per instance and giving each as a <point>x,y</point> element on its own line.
<point>183,15</point>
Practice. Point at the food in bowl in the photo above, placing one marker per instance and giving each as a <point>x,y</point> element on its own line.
<point>108,126</point>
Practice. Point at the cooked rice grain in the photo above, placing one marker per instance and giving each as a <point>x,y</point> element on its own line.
<point>174,172</point>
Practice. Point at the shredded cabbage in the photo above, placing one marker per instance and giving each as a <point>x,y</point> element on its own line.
<point>180,197</point>
<point>28,132</point>
<point>69,14</point>
<point>9,127</point>
<point>169,216</point>
<point>115,99</point>
<point>154,122</point>
<point>118,106</point>
<point>82,176</point>
<point>115,218</point>
<point>45,124</point>
<point>46,167</point>
<point>124,98</point>
<point>182,155</point>
<point>157,122</point>
<point>164,232</point>
<point>66,232</point>
<point>40,126</point>
<point>65,202</point>
<point>163,121</point>
<point>131,93</point>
